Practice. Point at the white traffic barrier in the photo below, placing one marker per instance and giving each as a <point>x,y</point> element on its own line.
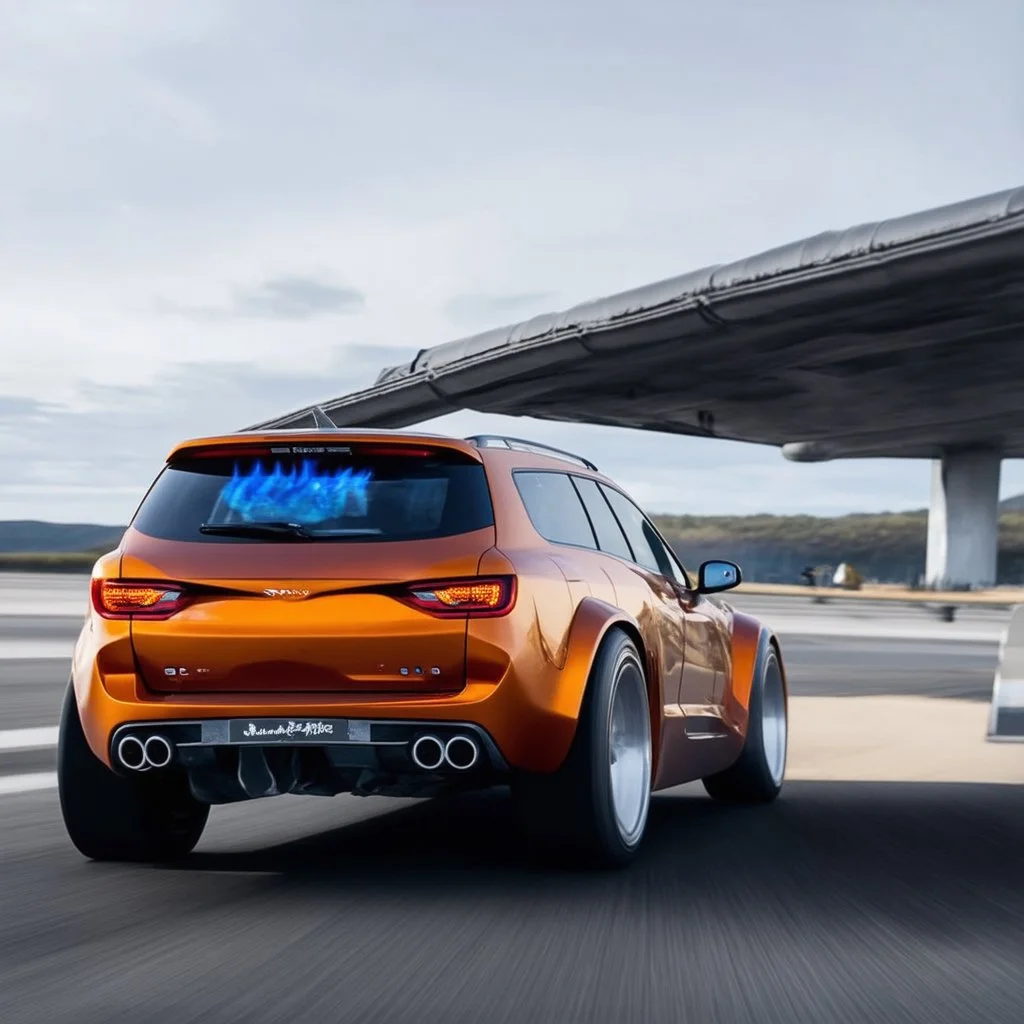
<point>1006,722</point>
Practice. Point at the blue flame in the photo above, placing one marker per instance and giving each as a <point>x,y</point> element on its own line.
<point>298,494</point>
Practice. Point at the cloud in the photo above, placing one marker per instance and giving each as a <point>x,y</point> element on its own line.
<point>94,459</point>
<point>177,150</point>
<point>281,298</point>
<point>473,307</point>
<point>17,408</point>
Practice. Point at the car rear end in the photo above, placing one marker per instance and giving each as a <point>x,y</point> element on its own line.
<point>289,613</point>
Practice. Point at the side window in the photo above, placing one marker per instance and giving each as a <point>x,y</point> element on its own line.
<point>648,549</point>
<point>610,537</point>
<point>678,573</point>
<point>554,508</point>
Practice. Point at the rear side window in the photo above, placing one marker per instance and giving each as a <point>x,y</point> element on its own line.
<point>362,495</point>
<point>554,508</point>
<point>609,534</point>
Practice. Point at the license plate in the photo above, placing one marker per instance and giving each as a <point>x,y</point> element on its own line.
<point>291,730</point>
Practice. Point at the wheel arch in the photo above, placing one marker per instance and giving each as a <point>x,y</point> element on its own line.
<point>773,640</point>
<point>594,622</point>
<point>752,642</point>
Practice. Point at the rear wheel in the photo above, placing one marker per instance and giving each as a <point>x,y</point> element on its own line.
<point>758,773</point>
<point>151,817</point>
<point>593,810</point>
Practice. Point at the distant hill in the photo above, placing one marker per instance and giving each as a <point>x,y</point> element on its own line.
<point>25,536</point>
<point>888,546</point>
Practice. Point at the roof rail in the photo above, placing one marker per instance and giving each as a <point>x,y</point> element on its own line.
<point>518,444</point>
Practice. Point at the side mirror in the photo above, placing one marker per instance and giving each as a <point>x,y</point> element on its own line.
<point>714,577</point>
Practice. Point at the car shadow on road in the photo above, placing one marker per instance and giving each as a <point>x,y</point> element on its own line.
<point>883,848</point>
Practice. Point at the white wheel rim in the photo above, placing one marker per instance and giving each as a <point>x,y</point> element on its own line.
<point>629,753</point>
<point>774,727</point>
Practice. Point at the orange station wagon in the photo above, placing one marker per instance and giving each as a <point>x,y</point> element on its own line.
<point>395,613</point>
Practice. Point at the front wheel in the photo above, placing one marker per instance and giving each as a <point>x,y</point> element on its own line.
<point>758,773</point>
<point>111,817</point>
<point>594,808</point>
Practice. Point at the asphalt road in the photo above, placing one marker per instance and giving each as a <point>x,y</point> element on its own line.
<point>842,902</point>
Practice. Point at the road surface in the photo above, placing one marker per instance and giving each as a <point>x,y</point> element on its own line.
<point>845,901</point>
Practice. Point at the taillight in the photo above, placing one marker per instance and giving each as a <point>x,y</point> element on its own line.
<point>136,599</point>
<point>477,597</point>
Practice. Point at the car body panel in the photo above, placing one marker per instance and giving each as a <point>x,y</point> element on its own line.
<point>521,677</point>
<point>339,638</point>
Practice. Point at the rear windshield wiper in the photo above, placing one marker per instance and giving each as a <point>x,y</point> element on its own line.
<point>294,530</point>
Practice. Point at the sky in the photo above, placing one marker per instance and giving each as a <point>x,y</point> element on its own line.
<point>213,211</point>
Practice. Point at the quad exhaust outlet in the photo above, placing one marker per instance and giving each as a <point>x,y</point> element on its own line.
<point>158,752</point>
<point>131,753</point>
<point>139,755</point>
<point>428,753</point>
<point>460,752</point>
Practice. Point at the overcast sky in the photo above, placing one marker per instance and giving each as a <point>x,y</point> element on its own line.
<point>212,211</point>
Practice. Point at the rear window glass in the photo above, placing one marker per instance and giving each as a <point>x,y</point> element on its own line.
<point>355,496</point>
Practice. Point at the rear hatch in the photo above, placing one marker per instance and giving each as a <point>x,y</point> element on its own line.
<point>299,567</point>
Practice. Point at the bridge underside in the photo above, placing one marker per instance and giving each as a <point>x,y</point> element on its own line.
<point>902,339</point>
<point>898,339</point>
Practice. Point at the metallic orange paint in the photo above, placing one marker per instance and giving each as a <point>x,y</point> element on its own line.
<point>520,676</point>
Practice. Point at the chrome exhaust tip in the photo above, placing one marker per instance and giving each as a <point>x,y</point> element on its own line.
<point>428,753</point>
<point>158,751</point>
<point>461,752</point>
<point>132,754</point>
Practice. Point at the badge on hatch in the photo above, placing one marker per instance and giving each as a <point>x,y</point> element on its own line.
<point>287,593</point>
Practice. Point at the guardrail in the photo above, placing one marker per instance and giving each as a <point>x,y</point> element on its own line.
<point>944,601</point>
<point>1006,719</point>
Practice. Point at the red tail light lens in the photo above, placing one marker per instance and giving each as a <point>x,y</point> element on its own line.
<point>479,597</point>
<point>137,599</point>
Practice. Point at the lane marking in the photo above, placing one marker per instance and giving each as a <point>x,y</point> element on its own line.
<point>43,608</point>
<point>11,784</point>
<point>36,650</point>
<point>855,631</point>
<point>28,739</point>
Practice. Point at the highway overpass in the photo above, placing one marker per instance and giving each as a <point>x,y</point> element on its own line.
<point>897,339</point>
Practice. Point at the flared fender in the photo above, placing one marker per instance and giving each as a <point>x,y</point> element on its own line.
<point>591,623</point>
<point>751,644</point>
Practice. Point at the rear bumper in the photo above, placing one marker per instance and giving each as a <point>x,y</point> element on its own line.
<point>348,740</point>
<point>232,759</point>
<point>516,730</point>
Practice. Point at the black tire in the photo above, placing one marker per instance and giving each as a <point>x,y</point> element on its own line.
<point>570,815</point>
<point>150,818</point>
<point>757,775</point>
